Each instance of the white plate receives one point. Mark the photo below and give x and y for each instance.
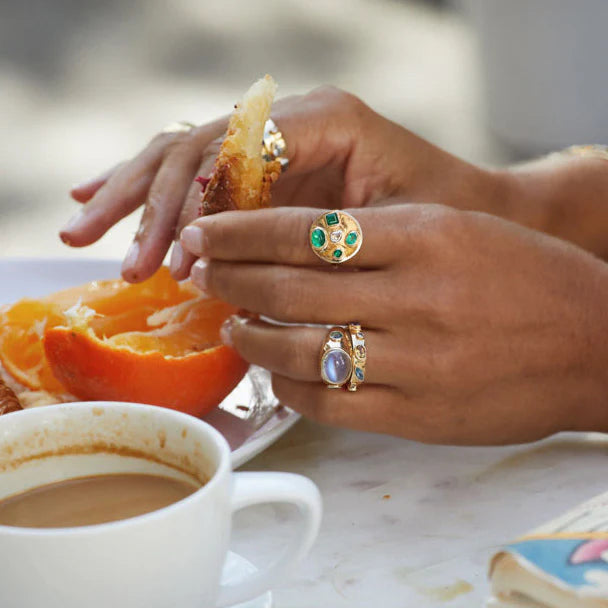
(238, 568)
(250, 417)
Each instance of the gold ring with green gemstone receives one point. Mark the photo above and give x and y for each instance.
(335, 236)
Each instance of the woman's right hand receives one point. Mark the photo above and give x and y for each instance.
(341, 154)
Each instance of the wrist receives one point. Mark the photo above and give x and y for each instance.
(561, 195)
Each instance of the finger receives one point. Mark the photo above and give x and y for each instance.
(371, 408)
(85, 190)
(293, 295)
(124, 191)
(316, 128)
(294, 351)
(164, 202)
(282, 235)
(182, 259)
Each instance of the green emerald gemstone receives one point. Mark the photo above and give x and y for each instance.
(317, 238)
(351, 238)
(331, 219)
(337, 254)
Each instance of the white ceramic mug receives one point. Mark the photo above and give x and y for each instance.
(170, 557)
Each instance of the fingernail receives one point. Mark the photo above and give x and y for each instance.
(85, 184)
(226, 332)
(177, 257)
(131, 257)
(199, 274)
(73, 222)
(192, 239)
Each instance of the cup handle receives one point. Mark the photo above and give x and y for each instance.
(260, 488)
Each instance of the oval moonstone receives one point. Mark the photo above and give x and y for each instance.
(337, 366)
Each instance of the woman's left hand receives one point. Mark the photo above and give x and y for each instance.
(478, 331)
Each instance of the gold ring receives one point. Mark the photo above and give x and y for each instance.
(359, 356)
(336, 360)
(274, 146)
(588, 150)
(178, 127)
(335, 236)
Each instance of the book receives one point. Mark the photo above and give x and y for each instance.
(561, 564)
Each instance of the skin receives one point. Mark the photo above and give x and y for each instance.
(463, 348)
(479, 330)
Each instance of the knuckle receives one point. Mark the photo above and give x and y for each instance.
(335, 96)
(294, 359)
(281, 294)
(287, 231)
(217, 278)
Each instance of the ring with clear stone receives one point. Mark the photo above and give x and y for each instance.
(180, 126)
(335, 236)
(274, 146)
(336, 360)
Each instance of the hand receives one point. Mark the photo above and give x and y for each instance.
(341, 154)
(478, 331)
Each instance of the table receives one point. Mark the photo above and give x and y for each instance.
(408, 524)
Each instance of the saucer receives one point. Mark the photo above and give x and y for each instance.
(238, 568)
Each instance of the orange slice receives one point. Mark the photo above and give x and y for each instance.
(155, 342)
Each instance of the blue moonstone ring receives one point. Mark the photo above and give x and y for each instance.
(336, 358)
(343, 357)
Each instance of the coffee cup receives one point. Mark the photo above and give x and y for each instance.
(172, 556)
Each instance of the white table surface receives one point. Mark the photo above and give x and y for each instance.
(408, 524)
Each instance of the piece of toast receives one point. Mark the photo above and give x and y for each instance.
(241, 178)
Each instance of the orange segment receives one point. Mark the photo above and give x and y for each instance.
(155, 342)
(180, 366)
(23, 324)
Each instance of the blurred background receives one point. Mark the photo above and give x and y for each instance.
(86, 84)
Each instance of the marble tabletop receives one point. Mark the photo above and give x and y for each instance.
(407, 524)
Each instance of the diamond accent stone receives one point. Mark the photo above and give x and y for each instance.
(335, 236)
(331, 219)
(351, 238)
(317, 238)
(336, 366)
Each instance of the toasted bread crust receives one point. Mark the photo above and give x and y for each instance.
(241, 179)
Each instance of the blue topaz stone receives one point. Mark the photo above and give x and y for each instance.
(359, 374)
(336, 366)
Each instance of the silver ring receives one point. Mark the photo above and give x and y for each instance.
(180, 126)
(274, 146)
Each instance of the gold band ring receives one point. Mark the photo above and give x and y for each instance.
(274, 146)
(335, 236)
(178, 127)
(359, 356)
(336, 358)
(588, 150)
